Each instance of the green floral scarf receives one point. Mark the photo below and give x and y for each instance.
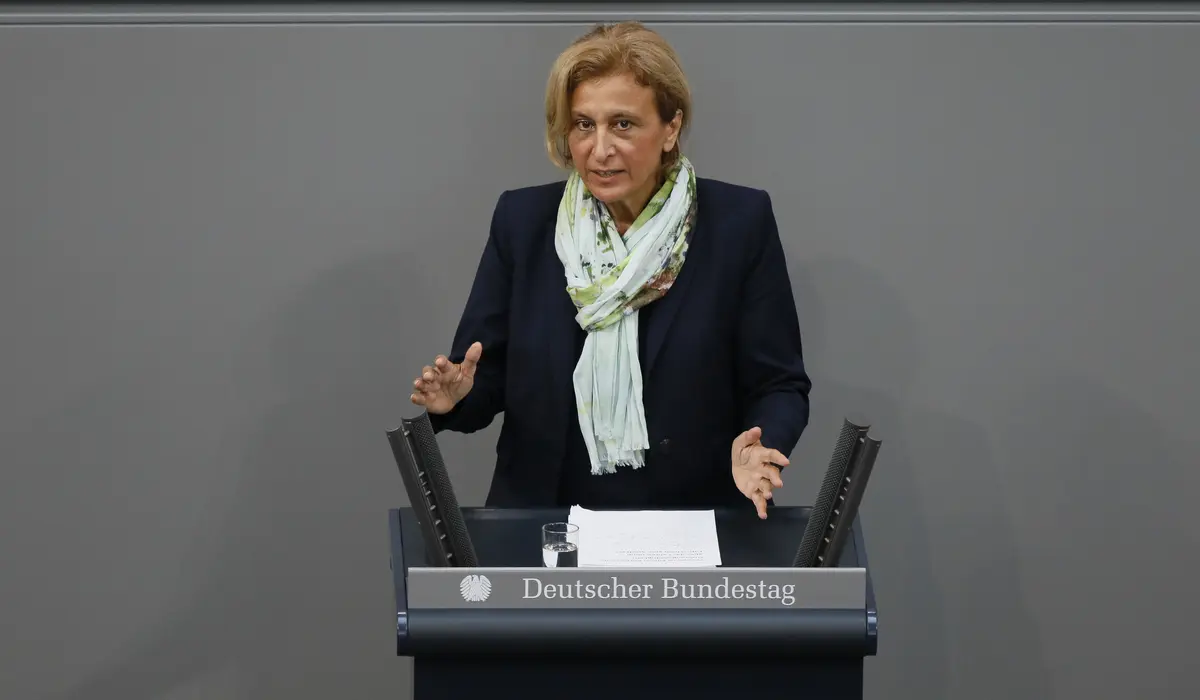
(609, 278)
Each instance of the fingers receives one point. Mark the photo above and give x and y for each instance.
(431, 380)
(759, 469)
(471, 360)
(434, 378)
(772, 457)
(760, 504)
(757, 458)
(425, 385)
(759, 490)
(747, 438)
(765, 487)
(771, 475)
(760, 481)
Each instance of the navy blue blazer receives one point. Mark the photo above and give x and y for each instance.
(720, 353)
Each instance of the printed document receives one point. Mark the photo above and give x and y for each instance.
(646, 538)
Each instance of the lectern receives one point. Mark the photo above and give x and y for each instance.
(757, 625)
(480, 615)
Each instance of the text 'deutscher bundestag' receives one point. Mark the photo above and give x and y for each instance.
(768, 588)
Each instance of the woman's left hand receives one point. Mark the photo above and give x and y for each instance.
(754, 469)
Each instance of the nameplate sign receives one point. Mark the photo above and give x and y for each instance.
(597, 588)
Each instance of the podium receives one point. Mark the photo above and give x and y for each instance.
(468, 641)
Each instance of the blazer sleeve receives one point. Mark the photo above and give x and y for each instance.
(484, 320)
(772, 379)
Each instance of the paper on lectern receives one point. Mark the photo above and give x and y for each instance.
(646, 538)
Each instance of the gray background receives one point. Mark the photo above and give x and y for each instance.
(227, 248)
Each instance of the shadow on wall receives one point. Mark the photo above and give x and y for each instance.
(1111, 542)
(297, 603)
(940, 541)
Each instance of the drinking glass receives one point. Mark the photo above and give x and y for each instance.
(560, 545)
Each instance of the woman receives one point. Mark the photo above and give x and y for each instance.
(635, 323)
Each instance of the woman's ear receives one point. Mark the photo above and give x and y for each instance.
(674, 128)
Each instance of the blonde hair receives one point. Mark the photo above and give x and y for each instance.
(611, 49)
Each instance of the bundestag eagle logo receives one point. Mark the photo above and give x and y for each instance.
(475, 588)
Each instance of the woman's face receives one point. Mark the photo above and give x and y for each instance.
(617, 141)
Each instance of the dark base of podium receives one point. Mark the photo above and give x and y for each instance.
(597, 678)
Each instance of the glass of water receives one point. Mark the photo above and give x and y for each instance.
(560, 545)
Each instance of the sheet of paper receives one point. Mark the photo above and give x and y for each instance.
(646, 538)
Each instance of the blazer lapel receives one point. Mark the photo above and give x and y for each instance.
(666, 308)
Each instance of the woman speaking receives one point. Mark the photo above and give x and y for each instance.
(635, 323)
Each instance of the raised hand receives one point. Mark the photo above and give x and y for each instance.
(442, 385)
(754, 470)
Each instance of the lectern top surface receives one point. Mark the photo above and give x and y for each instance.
(512, 537)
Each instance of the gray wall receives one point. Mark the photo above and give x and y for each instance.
(228, 247)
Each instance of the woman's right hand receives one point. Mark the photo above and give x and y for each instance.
(441, 386)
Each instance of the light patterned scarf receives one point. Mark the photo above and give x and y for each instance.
(609, 278)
